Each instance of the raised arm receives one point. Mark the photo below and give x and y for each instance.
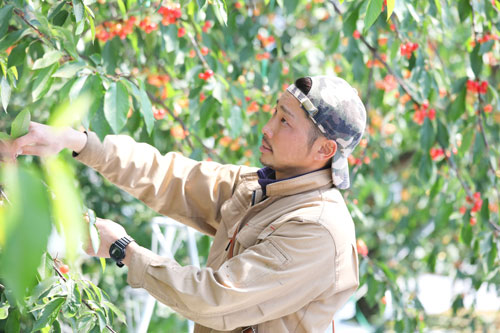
(187, 190)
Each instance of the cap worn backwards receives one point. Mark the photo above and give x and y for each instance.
(336, 109)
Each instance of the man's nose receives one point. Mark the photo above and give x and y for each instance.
(266, 130)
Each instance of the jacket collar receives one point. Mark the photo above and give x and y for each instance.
(303, 183)
(295, 185)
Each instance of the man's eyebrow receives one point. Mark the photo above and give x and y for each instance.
(285, 109)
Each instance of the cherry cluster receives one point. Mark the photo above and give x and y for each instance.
(206, 75)
(476, 202)
(262, 56)
(206, 26)
(108, 30)
(376, 63)
(436, 153)
(477, 86)
(422, 112)
(147, 25)
(159, 113)
(171, 13)
(265, 41)
(389, 83)
(158, 80)
(407, 49)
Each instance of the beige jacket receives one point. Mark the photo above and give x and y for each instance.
(295, 261)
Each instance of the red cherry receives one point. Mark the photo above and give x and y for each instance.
(64, 269)
(472, 221)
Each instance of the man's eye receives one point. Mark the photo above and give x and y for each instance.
(283, 120)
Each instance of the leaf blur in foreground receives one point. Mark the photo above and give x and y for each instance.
(27, 226)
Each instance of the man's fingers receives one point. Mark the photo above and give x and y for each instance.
(16, 148)
(32, 150)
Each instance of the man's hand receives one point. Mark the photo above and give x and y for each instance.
(109, 232)
(43, 140)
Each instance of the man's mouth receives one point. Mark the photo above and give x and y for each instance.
(265, 145)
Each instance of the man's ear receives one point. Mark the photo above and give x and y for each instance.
(327, 149)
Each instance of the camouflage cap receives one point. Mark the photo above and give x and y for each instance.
(336, 109)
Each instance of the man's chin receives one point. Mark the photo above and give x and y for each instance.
(264, 162)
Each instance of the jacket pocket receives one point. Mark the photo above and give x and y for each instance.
(247, 236)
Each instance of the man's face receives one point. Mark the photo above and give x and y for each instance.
(285, 142)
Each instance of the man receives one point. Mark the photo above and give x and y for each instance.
(283, 257)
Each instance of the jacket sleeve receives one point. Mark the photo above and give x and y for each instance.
(269, 280)
(189, 191)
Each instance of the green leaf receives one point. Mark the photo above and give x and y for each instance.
(121, 5)
(427, 136)
(390, 8)
(42, 82)
(48, 59)
(443, 215)
(116, 106)
(27, 227)
(5, 92)
(206, 111)
(69, 69)
(17, 55)
(4, 136)
(457, 107)
(372, 13)
(94, 233)
(146, 109)
(119, 314)
(49, 313)
(476, 61)
(66, 202)
(220, 10)
(56, 327)
(78, 10)
(12, 38)
(20, 125)
(466, 233)
(5, 15)
(103, 264)
(425, 167)
(77, 87)
(4, 311)
(13, 322)
(442, 134)
(218, 91)
(387, 271)
(464, 9)
(92, 27)
(438, 5)
(350, 22)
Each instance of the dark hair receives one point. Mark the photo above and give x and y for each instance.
(304, 84)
